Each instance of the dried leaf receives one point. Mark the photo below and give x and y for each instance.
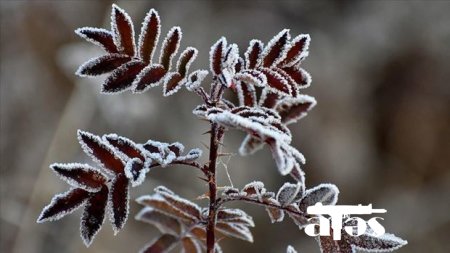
(183, 205)
(165, 243)
(98, 36)
(164, 223)
(151, 76)
(327, 194)
(123, 31)
(293, 109)
(93, 215)
(80, 176)
(235, 216)
(170, 47)
(125, 145)
(101, 152)
(122, 78)
(253, 188)
(150, 31)
(102, 65)
(63, 204)
(250, 145)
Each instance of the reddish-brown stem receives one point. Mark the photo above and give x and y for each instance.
(216, 138)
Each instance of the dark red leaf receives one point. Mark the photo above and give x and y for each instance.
(118, 199)
(101, 152)
(187, 57)
(122, 78)
(98, 36)
(275, 49)
(276, 82)
(63, 204)
(93, 215)
(163, 244)
(190, 245)
(293, 109)
(102, 65)
(172, 84)
(80, 175)
(246, 94)
(149, 36)
(170, 47)
(301, 77)
(216, 55)
(253, 54)
(298, 49)
(125, 145)
(269, 99)
(122, 27)
(149, 77)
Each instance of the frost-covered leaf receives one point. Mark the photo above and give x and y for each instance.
(123, 31)
(200, 110)
(238, 231)
(93, 215)
(118, 202)
(253, 54)
(172, 84)
(80, 175)
(327, 194)
(268, 98)
(216, 55)
(230, 57)
(275, 214)
(195, 79)
(286, 157)
(300, 220)
(170, 47)
(298, 174)
(101, 152)
(165, 243)
(135, 171)
(299, 75)
(289, 193)
(230, 191)
(246, 94)
(102, 65)
(253, 188)
(125, 145)
(250, 145)
(164, 223)
(63, 204)
(370, 243)
(192, 155)
(275, 51)
(159, 203)
(298, 50)
(235, 216)
(151, 76)
(186, 58)
(122, 78)
(189, 208)
(148, 38)
(99, 37)
(293, 109)
(176, 147)
(190, 245)
(276, 82)
(254, 77)
(290, 249)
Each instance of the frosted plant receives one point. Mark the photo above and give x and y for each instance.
(267, 82)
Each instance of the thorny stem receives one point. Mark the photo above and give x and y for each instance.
(216, 138)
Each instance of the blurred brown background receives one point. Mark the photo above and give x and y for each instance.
(380, 132)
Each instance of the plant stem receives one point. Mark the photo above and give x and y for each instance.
(216, 138)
